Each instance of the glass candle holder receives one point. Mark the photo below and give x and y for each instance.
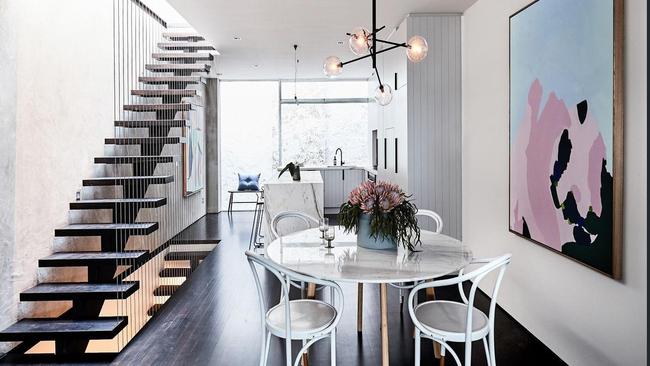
(330, 235)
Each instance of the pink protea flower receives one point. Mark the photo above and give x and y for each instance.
(368, 205)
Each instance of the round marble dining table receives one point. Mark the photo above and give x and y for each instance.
(305, 252)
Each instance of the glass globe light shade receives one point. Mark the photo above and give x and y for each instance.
(383, 94)
(359, 41)
(332, 66)
(417, 49)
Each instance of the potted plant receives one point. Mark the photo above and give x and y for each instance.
(382, 216)
(294, 170)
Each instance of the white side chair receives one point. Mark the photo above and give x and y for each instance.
(305, 320)
(404, 286)
(449, 321)
(309, 222)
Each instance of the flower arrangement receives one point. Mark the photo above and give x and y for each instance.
(392, 214)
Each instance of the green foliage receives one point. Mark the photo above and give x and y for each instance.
(399, 224)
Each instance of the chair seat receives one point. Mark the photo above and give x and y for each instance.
(448, 320)
(308, 317)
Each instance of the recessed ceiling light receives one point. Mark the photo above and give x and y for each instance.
(256, 65)
(339, 42)
(236, 38)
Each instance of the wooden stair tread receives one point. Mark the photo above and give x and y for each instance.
(142, 140)
(169, 79)
(154, 309)
(164, 92)
(138, 228)
(183, 45)
(113, 181)
(183, 36)
(176, 272)
(178, 67)
(79, 290)
(53, 329)
(146, 123)
(86, 259)
(115, 203)
(158, 107)
(134, 159)
(179, 256)
(165, 290)
(173, 56)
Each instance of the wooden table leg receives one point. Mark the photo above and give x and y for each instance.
(359, 307)
(311, 294)
(431, 295)
(383, 298)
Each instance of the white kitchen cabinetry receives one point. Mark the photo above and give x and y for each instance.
(419, 132)
(338, 185)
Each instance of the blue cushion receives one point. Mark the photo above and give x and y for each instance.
(249, 182)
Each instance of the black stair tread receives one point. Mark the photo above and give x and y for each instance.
(183, 36)
(117, 203)
(164, 92)
(113, 181)
(53, 329)
(144, 123)
(182, 45)
(165, 290)
(138, 228)
(86, 259)
(79, 290)
(178, 67)
(158, 107)
(134, 159)
(173, 56)
(176, 272)
(169, 79)
(142, 140)
(154, 309)
(179, 256)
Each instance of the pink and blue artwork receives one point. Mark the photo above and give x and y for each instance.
(562, 129)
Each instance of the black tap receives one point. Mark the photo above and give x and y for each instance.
(336, 152)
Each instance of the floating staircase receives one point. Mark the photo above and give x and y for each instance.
(179, 65)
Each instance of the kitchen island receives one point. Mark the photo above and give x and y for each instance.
(284, 194)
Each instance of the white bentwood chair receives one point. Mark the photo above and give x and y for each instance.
(449, 321)
(309, 221)
(306, 320)
(408, 286)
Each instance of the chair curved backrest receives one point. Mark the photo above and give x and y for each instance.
(434, 216)
(489, 265)
(308, 220)
(286, 276)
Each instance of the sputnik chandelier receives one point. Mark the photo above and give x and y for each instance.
(363, 43)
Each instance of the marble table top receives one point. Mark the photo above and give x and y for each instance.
(305, 253)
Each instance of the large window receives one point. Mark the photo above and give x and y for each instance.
(326, 116)
(263, 128)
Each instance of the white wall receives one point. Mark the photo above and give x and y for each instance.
(583, 316)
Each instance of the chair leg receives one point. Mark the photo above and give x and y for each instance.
(417, 347)
(333, 347)
(487, 351)
(359, 307)
(230, 204)
(267, 346)
(401, 302)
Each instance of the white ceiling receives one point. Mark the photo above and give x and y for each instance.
(269, 29)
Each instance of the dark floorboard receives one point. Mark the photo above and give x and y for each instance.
(214, 318)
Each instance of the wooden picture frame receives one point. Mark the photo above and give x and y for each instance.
(580, 223)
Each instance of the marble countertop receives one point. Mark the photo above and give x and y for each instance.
(303, 252)
(306, 177)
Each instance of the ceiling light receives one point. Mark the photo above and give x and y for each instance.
(340, 43)
(236, 38)
(363, 43)
(256, 65)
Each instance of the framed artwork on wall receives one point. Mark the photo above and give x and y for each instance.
(194, 154)
(566, 129)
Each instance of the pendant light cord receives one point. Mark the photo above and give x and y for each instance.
(295, 73)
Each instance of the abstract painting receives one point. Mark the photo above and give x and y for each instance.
(194, 155)
(566, 129)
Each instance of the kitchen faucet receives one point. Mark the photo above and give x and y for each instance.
(336, 152)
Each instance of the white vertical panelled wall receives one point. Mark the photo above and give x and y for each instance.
(424, 117)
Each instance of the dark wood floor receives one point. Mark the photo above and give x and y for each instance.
(213, 319)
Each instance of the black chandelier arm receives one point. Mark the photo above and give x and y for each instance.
(393, 43)
(372, 54)
(381, 86)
